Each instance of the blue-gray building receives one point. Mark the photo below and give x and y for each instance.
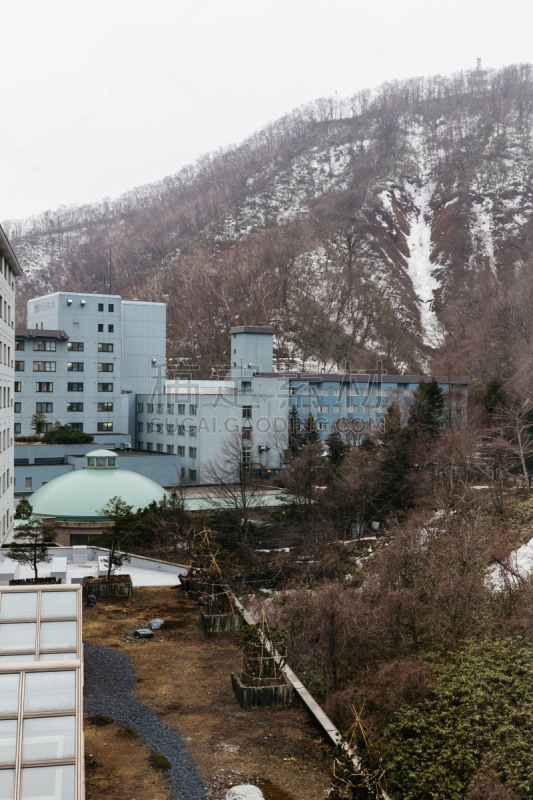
(249, 409)
(82, 359)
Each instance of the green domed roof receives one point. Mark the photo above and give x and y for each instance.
(80, 494)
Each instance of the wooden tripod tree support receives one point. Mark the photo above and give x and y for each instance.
(262, 683)
(218, 613)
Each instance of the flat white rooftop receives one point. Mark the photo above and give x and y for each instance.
(82, 562)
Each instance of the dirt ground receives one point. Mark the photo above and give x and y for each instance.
(185, 676)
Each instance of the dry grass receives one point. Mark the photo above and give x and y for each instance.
(117, 766)
(185, 676)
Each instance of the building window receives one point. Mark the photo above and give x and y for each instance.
(110, 329)
(17, 427)
(159, 447)
(247, 412)
(192, 409)
(105, 406)
(149, 446)
(19, 366)
(105, 347)
(17, 408)
(44, 366)
(192, 430)
(18, 386)
(76, 426)
(336, 409)
(44, 387)
(246, 433)
(100, 328)
(74, 387)
(192, 452)
(104, 426)
(76, 326)
(74, 406)
(192, 474)
(170, 408)
(170, 427)
(75, 346)
(105, 367)
(170, 448)
(160, 408)
(46, 408)
(182, 473)
(323, 409)
(181, 450)
(49, 346)
(322, 426)
(75, 366)
(19, 344)
(149, 408)
(111, 307)
(27, 483)
(100, 306)
(181, 408)
(140, 408)
(140, 427)
(105, 387)
(181, 430)
(139, 445)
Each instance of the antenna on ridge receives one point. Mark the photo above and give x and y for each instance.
(478, 63)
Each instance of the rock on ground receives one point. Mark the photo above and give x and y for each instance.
(245, 792)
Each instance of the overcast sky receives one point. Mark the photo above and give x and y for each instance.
(99, 96)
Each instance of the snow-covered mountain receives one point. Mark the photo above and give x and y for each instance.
(396, 224)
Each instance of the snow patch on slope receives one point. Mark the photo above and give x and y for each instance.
(482, 232)
(419, 266)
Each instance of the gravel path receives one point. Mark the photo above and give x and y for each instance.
(109, 686)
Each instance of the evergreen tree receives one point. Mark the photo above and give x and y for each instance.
(295, 432)
(395, 464)
(495, 396)
(426, 416)
(310, 431)
(38, 422)
(23, 509)
(337, 448)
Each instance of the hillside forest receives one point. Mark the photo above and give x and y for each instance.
(394, 225)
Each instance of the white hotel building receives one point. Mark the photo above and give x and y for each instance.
(9, 270)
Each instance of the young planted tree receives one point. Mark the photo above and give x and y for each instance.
(495, 398)
(38, 422)
(31, 542)
(118, 536)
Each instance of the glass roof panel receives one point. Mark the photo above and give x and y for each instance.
(7, 784)
(50, 691)
(47, 783)
(58, 636)
(8, 741)
(57, 657)
(58, 604)
(17, 636)
(48, 738)
(9, 693)
(20, 605)
(20, 657)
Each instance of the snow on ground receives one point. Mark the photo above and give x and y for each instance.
(521, 564)
(419, 266)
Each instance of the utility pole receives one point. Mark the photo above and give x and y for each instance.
(110, 270)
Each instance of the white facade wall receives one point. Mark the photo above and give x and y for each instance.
(9, 271)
